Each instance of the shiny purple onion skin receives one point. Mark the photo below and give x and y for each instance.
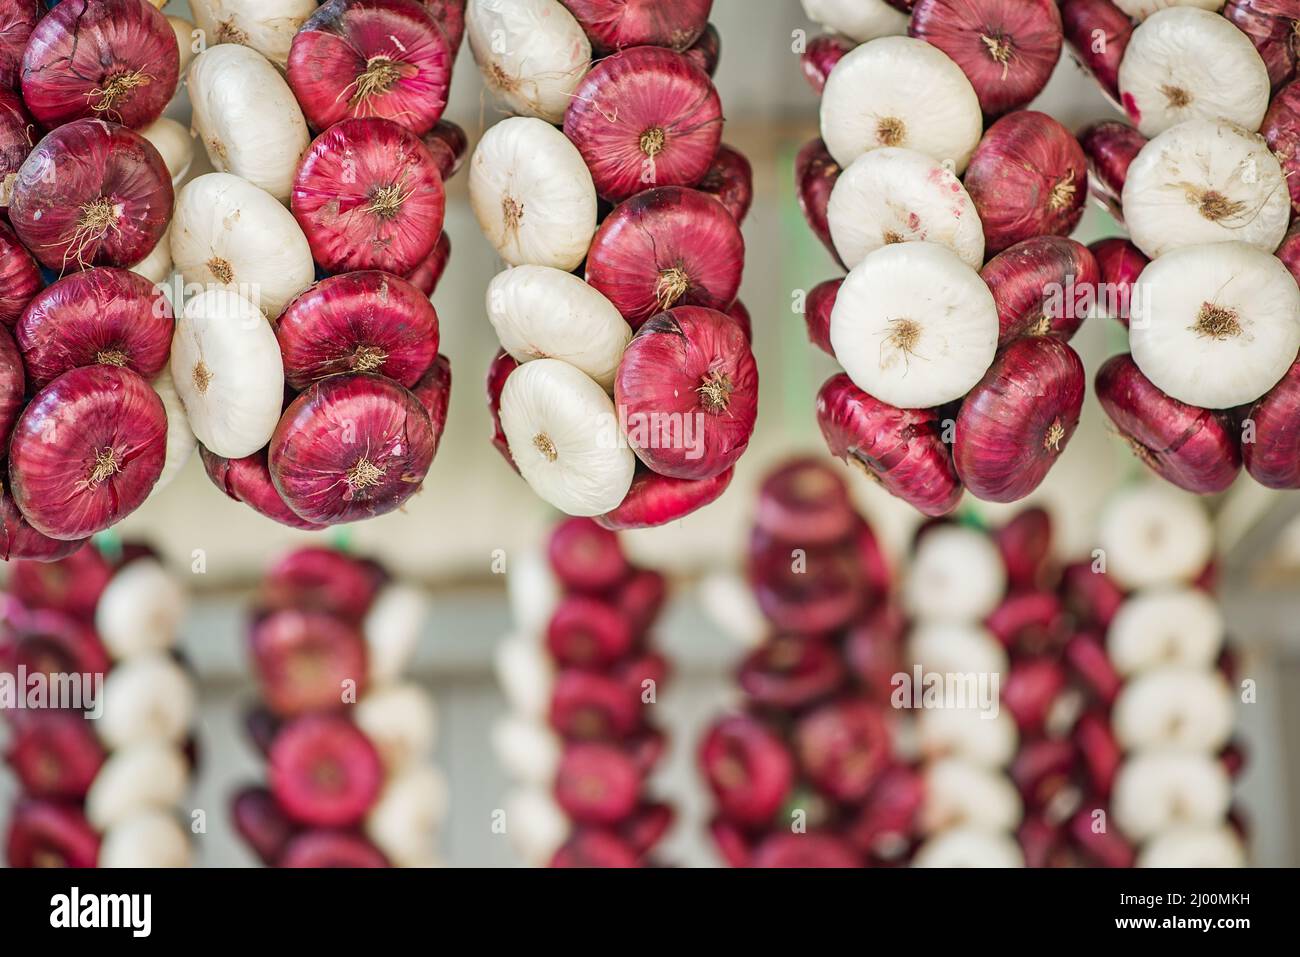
(1042, 286)
(1273, 459)
(655, 500)
(20, 277)
(1120, 264)
(820, 57)
(17, 20)
(815, 174)
(730, 180)
(817, 313)
(1281, 130)
(618, 24)
(498, 372)
(18, 540)
(434, 392)
(13, 387)
(902, 449)
(1081, 19)
(706, 52)
(449, 144)
(1110, 146)
(1270, 24)
(1017, 421)
(248, 480)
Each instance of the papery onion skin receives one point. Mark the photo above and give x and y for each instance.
(248, 480)
(1281, 130)
(805, 502)
(108, 316)
(687, 393)
(449, 145)
(1042, 286)
(667, 247)
(1195, 449)
(645, 117)
(20, 277)
(434, 393)
(817, 314)
(618, 24)
(1289, 251)
(351, 447)
(371, 58)
(655, 500)
(815, 173)
(1270, 24)
(740, 314)
(1119, 263)
(428, 274)
(1110, 147)
(365, 321)
(17, 20)
(19, 540)
(707, 50)
(1028, 177)
(108, 208)
(1008, 48)
(730, 180)
(87, 451)
(113, 59)
(820, 57)
(17, 131)
(1082, 20)
(1014, 425)
(902, 449)
(1273, 458)
(498, 372)
(13, 387)
(449, 15)
(368, 196)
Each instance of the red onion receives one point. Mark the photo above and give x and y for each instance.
(843, 747)
(1110, 147)
(366, 321)
(590, 706)
(434, 392)
(17, 20)
(596, 784)
(902, 449)
(448, 144)
(687, 392)
(16, 131)
(822, 596)
(20, 277)
(428, 274)
(248, 480)
(1028, 622)
(586, 557)
(261, 823)
(371, 58)
(368, 196)
(54, 754)
(1271, 26)
(330, 849)
(1289, 251)
(1281, 130)
(449, 15)
(13, 387)
(873, 650)
(1273, 459)
(87, 451)
(1120, 263)
(617, 24)
(1195, 449)
(50, 834)
(803, 502)
(303, 657)
(644, 117)
(747, 768)
(1025, 543)
(587, 633)
(1092, 597)
(730, 180)
(1028, 178)
(322, 579)
(107, 207)
(324, 772)
(791, 673)
(591, 848)
(71, 586)
(19, 540)
(112, 59)
(502, 365)
(707, 50)
(1044, 286)
(820, 57)
(667, 247)
(99, 316)
(815, 173)
(740, 315)
(351, 447)
(1098, 32)
(1007, 48)
(804, 851)
(1014, 425)
(655, 499)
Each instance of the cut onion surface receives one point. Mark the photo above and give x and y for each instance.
(1098, 33)
(900, 92)
(368, 195)
(564, 436)
(367, 321)
(1183, 63)
(1215, 326)
(268, 26)
(1206, 181)
(371, 58)
(1273, 459)
(532, 194)
(891, 196)
(91, 194)
(87, 451)
(860, 20)
(532, 54)
(616, 24)
(914, 326)
(667, 247)
(1195, 449)
(351, 447)
(1045, 286)
(1152, 534)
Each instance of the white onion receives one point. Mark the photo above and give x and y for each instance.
(536, 825)
(1196, 847)
(405, 821)
(392, 629)
(1184, 63)
(185, 36)
(1152, 534)
(955, 649)
(532, 53)
(181, 442)
(146, 839)
(525, 675)
(1141, 9)
(957, 575)
(268, 26)
(146, 698)
(140, 610)
(401, 721)
(247, 118)
(157, 266)
(539, 312)
(969, 734)
(1187, 709)
(729, 603)
(958, 793)
(533, 194)
(1165, 626)
(900, 91)
(969, 847)
(859, 20)
(174, 143)
(228, 372)
(532, 591)
(1215, 326)
(1205, 181)
(1157, 790)
(528, 750)
(143, 776)
(563, 434)
(914, 326)
(229, 233)
(891, 196)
